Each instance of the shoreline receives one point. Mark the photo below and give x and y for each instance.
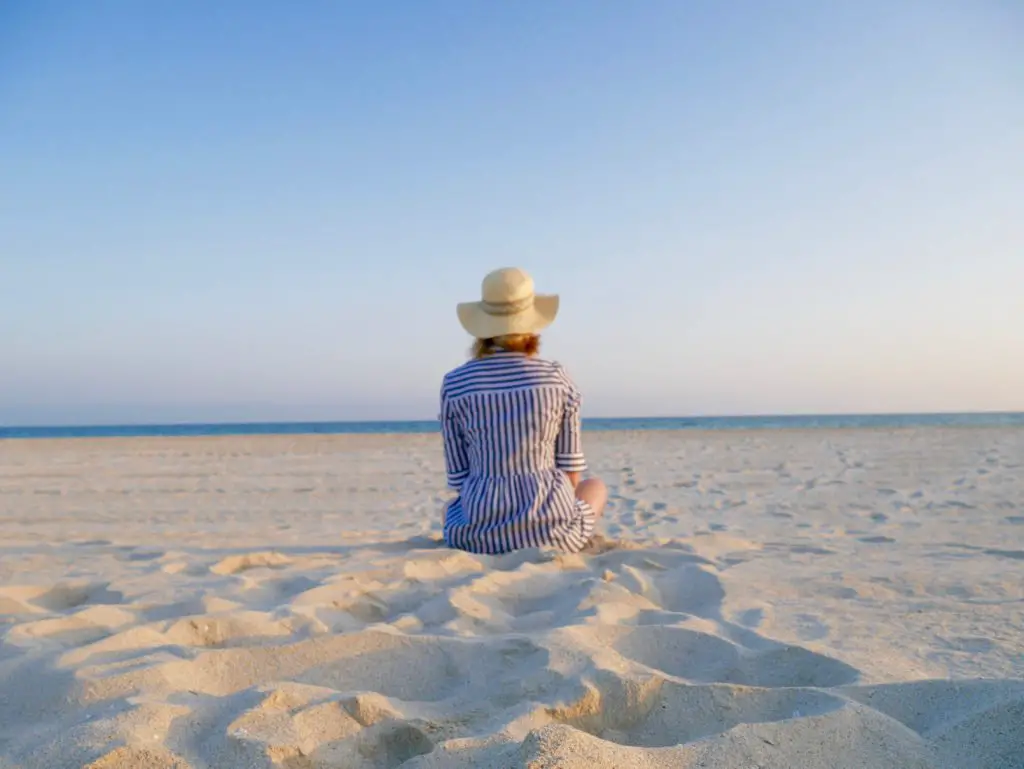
(695, 433)
(769, 422)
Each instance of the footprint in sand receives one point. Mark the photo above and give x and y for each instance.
(690, 589)
(705, 658)
(811, 550)
(810, 627)
(294, 726)
(751, 618)
(969, 644)
(663, 714)
(271, 593)
(1016, 555)
(374, 661)
(144, 555)
(64, 597)
(236, 564)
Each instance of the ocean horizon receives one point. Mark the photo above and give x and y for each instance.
(355, 427)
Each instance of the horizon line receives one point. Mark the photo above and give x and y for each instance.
(662, 417)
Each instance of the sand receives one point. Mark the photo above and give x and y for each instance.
(764, 599)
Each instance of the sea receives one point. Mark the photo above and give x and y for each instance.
(826, 421)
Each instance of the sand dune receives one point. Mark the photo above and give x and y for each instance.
(790, 599)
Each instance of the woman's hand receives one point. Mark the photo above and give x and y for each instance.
(574, 479)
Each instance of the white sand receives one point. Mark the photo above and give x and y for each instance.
(777, 599)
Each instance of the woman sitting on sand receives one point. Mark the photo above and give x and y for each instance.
(511, 428)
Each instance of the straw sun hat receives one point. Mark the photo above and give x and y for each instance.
(508, 305)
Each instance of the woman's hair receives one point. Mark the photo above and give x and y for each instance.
(528, 344)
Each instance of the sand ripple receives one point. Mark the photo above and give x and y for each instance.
(430, 658)
(791, 617)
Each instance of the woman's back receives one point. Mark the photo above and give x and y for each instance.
(511, 430)
(511, 410)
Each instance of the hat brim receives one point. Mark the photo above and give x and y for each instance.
(483, 325)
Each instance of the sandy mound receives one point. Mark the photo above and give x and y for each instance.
(536, 659)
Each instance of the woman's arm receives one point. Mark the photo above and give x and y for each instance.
(455, 459)
(569, 445)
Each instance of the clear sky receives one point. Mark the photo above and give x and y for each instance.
(268, 210)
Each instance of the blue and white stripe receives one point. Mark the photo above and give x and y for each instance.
(511, 430)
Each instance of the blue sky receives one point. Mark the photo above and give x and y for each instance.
(255, 210)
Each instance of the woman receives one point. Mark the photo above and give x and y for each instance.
(511, 428)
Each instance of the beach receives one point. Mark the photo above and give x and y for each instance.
(771, 598)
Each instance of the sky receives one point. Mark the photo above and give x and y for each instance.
(248, 210)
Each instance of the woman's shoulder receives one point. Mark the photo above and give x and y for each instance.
(501, 361)
(558, 371)
(497, 370)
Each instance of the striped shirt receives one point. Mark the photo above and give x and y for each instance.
(511, 430)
